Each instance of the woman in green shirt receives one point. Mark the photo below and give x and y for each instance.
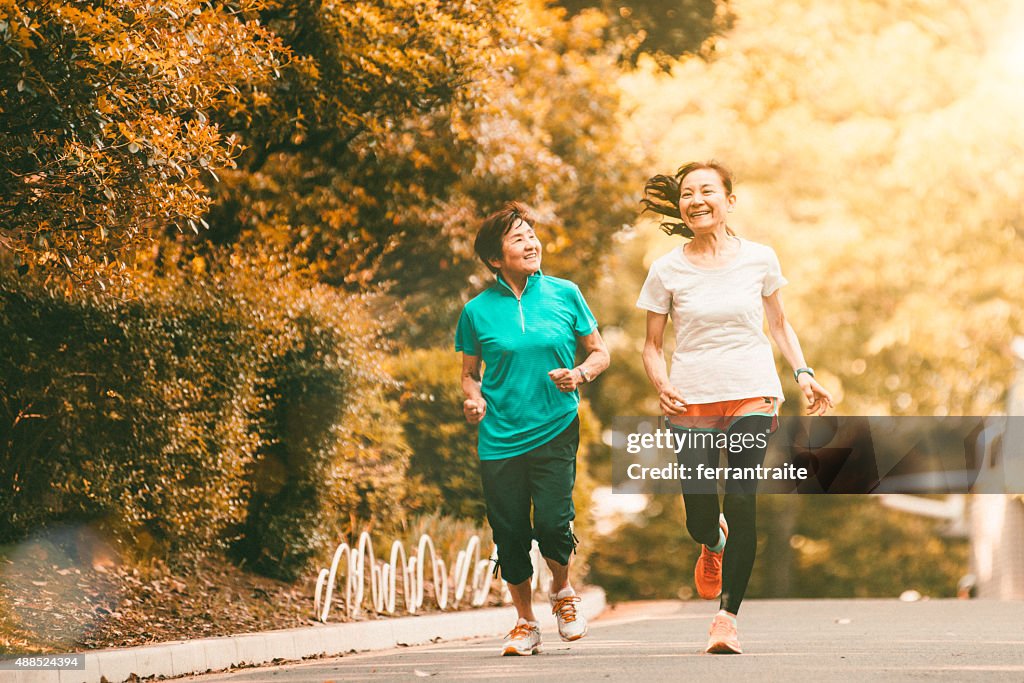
(518, 340)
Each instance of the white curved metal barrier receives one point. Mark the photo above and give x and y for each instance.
(471, 575)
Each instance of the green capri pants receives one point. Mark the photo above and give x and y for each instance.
(544, 476)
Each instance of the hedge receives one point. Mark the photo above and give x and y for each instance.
(221, 412)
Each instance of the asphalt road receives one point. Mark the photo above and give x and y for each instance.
(819, 640)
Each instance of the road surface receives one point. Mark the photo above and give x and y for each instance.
(820, 640)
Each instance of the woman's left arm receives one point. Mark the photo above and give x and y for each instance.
(818, 399)
(594, 364)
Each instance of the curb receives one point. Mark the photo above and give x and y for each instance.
(181, 658)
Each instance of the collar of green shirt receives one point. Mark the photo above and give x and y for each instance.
(504, 286)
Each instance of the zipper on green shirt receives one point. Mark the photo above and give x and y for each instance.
(519, 300)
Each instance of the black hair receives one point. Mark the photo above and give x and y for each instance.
(494, 227)
(661, 194)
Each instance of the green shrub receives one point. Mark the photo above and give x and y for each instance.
(134, 414)
(334, 459)
(228, 409)
(443, 464)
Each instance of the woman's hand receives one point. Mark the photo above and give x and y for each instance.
(671, 401)
(566, 380)
(818, 399)
(474, 409)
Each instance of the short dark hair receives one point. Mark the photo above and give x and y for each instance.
(493, 229)
(661, 193)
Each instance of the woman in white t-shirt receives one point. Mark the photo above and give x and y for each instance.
(718, 288)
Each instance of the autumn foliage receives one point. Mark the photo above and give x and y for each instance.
(106, 132)
(235, 234)
(218, 218)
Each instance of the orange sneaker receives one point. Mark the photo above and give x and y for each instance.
(722, 638)
(708, 572)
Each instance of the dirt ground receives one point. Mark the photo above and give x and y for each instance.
(50, 604)
(56, 597)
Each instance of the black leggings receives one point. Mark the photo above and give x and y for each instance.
(739, 505)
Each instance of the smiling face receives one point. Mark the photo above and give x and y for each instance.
(520, 252)
(704, 201)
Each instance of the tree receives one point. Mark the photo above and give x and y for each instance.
(662, 29)
(396, 128)
(893, 201)
(318, 186)
(863, 154)
(841, 546)
(105, 125)
(549, 134)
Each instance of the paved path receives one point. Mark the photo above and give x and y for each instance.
(820, 640)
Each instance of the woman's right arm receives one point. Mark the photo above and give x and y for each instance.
(474, 407)
(672, 403)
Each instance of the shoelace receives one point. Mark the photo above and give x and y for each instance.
(566, 608)
(712, 565)
(520, 631)
(722, 627)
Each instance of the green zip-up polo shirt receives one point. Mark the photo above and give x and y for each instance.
(520, 340)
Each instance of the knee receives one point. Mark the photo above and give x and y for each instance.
(696, 530)
(509, 538)
(739, 506)
(514, 555)
(555, 540)
(551, 530)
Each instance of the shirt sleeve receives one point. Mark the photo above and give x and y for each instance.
(653, 295)
(466, 340)
(585, 320)
(773, 279)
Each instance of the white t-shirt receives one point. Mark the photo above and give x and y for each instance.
(722, 352)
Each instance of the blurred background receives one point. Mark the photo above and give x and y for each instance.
(235, 238)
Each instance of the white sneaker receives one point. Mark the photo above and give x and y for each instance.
(524, 639)
(571, 624)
